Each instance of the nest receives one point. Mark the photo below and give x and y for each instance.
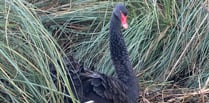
(177, 95)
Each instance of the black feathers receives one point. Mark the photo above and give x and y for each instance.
(100, 88)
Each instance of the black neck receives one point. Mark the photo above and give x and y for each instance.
(121, 61)
(119, 53)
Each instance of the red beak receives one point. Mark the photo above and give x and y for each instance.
(124, 21)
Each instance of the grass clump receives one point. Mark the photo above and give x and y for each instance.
(26, 51)
(167, 42)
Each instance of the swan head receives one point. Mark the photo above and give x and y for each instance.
(121, 13)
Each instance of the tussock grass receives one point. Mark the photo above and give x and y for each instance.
(167, 41)
(26, 51)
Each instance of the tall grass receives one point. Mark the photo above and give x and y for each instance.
(26, 51)
(167, 41)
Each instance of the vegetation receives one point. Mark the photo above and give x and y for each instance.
(168, 42)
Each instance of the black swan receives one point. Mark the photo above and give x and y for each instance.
(94, 87)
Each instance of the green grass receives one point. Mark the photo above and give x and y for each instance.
(26, 50)
(167, 41)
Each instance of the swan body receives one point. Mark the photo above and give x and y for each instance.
(95, 87)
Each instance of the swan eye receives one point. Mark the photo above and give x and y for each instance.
(125, 14)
